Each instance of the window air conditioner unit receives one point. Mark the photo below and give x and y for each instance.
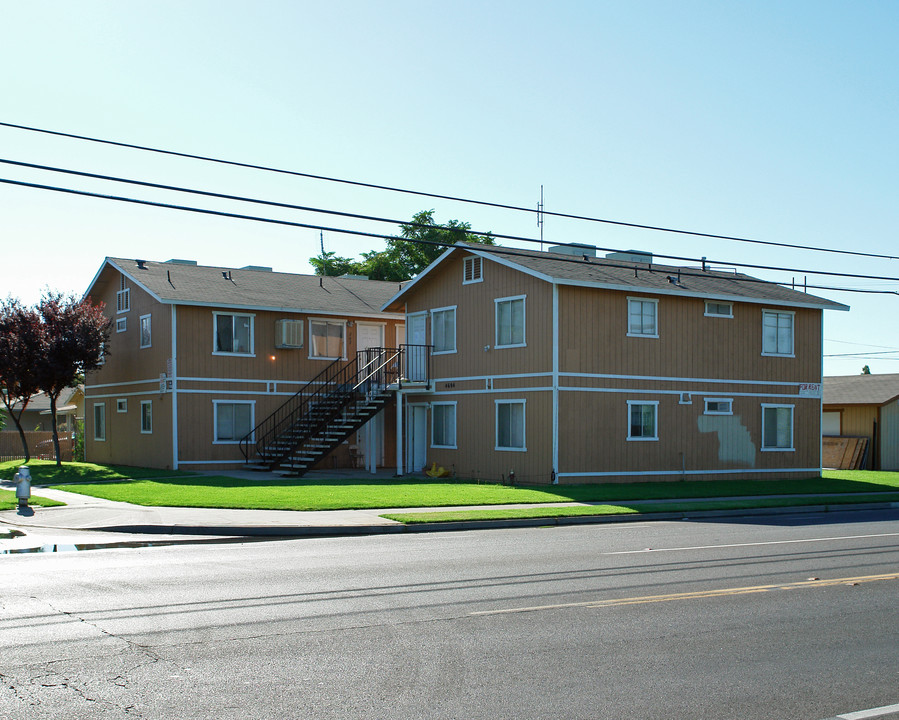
(288, 333)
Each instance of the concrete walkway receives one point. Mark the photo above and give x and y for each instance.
(85, 513)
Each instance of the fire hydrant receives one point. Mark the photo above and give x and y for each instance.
(22, 480)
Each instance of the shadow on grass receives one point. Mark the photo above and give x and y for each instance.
(46, 472)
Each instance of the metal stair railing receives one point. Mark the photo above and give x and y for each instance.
(328, 396)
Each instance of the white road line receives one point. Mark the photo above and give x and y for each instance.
(872, 713)
(751, 544)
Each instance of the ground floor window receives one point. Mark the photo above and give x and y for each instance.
(146, 416)
(643, 420)
(777, 427)
(99, 421)
(443, 425)
(510, 425)
(233, 420)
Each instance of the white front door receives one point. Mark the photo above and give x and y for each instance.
(369, 336)
(417, 354)
(417, 441)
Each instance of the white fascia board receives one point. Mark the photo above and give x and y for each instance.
(420, 275)
(128, 275)
(280, 309)
(497, 258)
(705, 296)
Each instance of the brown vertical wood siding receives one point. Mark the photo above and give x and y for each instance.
(693, 358)
(268, 378)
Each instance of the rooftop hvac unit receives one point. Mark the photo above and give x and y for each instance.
(288, 333)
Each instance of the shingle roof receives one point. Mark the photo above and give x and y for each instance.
(643, 277)
(261, 289)
(861, 389)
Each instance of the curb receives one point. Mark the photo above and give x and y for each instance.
(361, 530)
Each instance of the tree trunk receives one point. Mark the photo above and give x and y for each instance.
(25, 450)
(55, 429)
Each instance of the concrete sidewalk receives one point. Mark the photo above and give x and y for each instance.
(85, 513)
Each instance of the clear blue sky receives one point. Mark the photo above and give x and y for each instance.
(769, 120)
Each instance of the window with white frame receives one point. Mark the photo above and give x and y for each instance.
(146, 416)
(473, 270)
(642, 320)
(233, 334)
(443, 329)
(145, 333)
(327, 339)
(233, 420)
(443, 425)
(121, 324)
(777, 333)
(123, 296)
(719, 309)
(643, 420)
(121, 405)
(510, 425)
(510, 321)
(777, 427)
(100, 421)
(719, 406)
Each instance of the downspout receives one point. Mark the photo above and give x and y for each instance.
(174, 389)
(555, 472)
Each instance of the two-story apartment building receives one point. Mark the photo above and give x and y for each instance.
(199, 355)
(571, 368)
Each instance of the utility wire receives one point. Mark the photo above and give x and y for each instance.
(488, 249)
(291, 206)
(439, 196)
(865, 354)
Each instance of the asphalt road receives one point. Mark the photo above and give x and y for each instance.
(778, 617)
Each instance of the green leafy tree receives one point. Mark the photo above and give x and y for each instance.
(866, 370)
(75, 335)
(419, 243)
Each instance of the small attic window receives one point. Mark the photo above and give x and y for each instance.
(123, 297)
(473, 270)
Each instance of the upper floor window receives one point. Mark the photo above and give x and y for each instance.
(777, 427)
(327, 339)
(121, 324)
(719, 309)
(472, 270)
(510, 322)
(145, 334)
(443, 330)
(642, 318)
(123, 297)
(233, 334)
(643, 420)
(777, 333)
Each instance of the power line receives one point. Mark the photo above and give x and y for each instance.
(304, 208)
(482, 248)
(866, 354)
(420, 193)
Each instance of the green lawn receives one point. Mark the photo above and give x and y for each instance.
(8, 500)
(225, 492)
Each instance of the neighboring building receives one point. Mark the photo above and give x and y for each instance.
(199, 356)
(585, 369)
(36, 416)
(865, 406)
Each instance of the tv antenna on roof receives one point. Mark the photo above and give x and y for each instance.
(540, 217)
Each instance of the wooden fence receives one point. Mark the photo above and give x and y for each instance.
(40, 444)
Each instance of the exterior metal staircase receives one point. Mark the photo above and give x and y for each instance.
(332, 406)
